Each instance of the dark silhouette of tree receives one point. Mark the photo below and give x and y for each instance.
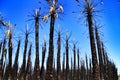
(15, 65)
(99, 52)
(43, 59)
(58, 56)
(67, 56)
(4, 52)
(87, 71)
(54, 8)
(37, 67)
(22, 74)
(74, 52)
(28, 71)
(78, 69)
(63, 67)
(89, 11)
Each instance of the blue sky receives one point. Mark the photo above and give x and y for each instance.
(17, 10)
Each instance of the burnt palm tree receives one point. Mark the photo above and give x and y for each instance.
(4, 51)
(22, 70)
(9, 35)
(10, 48)
(67, 56)
(15, 65)
(89, 11)
(99, 52)
(63, 67)
(74, 52)
(36, 17)
(43, 59)
(71, 73)
(78, 68)
(37, 68)
(58, 56)
(87, 72)
(53, 15)
(29, 65)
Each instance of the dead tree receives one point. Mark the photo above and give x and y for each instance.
(28, 71)
(42, 72)
(15, 65)
(58, 56)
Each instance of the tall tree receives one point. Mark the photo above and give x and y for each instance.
(4, 51)
(10, 48)
(87, 72)
(54, 8)
(37, 68)
(67, 56)
(89, 11)
(58, 55)
(43, 59)
(23, 67)
(63, 67)
(28, 71)
(15, 65)
(78, 69)
(99, 52)
(74, 52)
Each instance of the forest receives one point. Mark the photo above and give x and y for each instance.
(97, 67)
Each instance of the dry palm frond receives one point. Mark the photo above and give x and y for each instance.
(8, 32)
(45, 18)
(52, 9)
(56, 15)
(60, 8)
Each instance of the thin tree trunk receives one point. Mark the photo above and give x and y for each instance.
(43, 59)
(63, 67)
(87, 72)
(71, 73)
(74, 51)
(58, 56)
(29, 64)
(99, 53)
(2, 57)
(22, 70)
(67, 57)
(37, 68)
(10, 56)
(49, 73)
(15, 66)
(78, 72)
(96, 75)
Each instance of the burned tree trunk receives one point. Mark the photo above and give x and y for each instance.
(49, 73)
(4, 51)
(67, 57)
(58, 56)
(15, 66)
(99, 53)
(36, 67)
(96, 75)
(22, 70)
(74, 51)
(78, 69)
(10, 56)
(29, 65)
(43, 59)
(63, 67)
(87, 72)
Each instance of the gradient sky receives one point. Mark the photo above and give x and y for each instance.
(17, 10)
